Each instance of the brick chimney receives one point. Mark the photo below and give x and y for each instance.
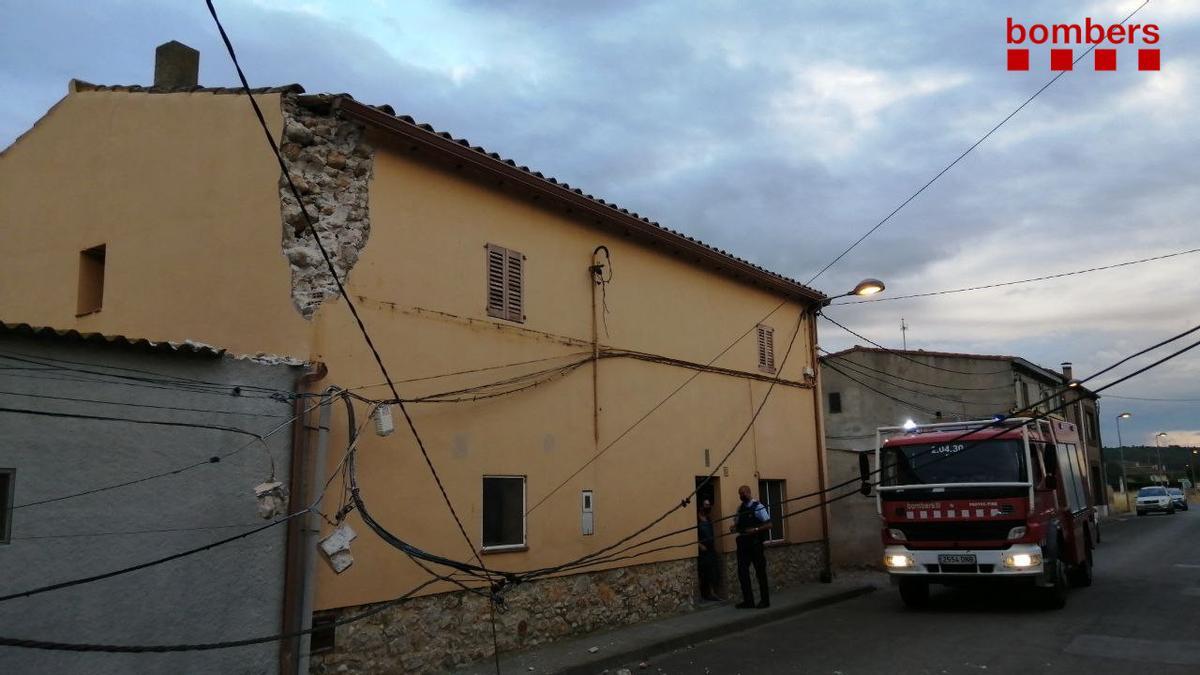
(1068, 371)
(176, 66)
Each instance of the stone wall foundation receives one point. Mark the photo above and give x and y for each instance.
(436, 633)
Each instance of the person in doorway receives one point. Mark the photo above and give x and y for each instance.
(753, 522)
(706, 558)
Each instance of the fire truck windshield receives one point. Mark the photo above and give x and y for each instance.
(993, 461)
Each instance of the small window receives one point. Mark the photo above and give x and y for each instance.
(324, 635)
(505, 283)
(91, 281)
(503, 512)
(7, 489)
(1024, 395)
(766, 349)
(771, 493)
(835, 402)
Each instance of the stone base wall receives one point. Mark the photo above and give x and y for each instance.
(787, 566)
(436, 633)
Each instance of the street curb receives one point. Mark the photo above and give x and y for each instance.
(752, 619)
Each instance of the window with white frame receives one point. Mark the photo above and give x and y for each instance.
(772, 493)
(503, 512)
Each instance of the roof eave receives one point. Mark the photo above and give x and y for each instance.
(385, 121)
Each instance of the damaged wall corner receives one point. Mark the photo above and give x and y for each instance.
(331, 164)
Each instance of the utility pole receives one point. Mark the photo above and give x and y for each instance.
(904, 333)
(1158, 449)
(1121, 450)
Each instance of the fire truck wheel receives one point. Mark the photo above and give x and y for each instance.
(914, 592)
(1081, 574)
(1055, 597)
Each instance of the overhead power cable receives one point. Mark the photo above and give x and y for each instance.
(152, 563)
(207, 646)
(187, 467)
(314, 506)
(333, 273)
(717, 468)
(1155, 400)
(958, 159)
(629, 429)
(121, 533)
(845, 358)
(1019, 281)
(61, 646)
(72, 399)
(469, 371)
(850, 365)
(897, 399)
(51, 375)
(46, 363)
(128, 420)
(906, 357)
(619, 554)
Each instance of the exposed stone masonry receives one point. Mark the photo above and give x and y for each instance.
(433, 634)
(330, 163)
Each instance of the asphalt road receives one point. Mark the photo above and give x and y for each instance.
(1142, 615)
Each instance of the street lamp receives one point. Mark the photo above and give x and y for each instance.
(1158, 450)
(1192, 466)
(863, 288)
(1121, 450)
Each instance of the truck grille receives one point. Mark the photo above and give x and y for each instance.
(983, 530)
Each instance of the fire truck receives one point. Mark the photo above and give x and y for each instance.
(996, 501)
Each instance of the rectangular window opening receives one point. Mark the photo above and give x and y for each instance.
(324, 635)
(766, 349)
(505, 284)
(91, 281)
(835, 402)
(503, 512)
(772, 493)
(7, 490)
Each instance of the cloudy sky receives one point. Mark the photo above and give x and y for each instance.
(778, 131)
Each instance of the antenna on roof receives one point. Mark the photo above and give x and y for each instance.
(904, 333)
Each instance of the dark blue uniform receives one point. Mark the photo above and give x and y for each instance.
(750, 552)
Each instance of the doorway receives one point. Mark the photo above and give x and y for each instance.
(710, 566)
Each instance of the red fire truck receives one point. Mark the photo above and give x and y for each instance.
(986, 501)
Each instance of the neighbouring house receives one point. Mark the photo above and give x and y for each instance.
(116, 451)
(867, 387)
(160, 211)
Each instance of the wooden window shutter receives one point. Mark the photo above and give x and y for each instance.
(505, 284)
(495, 281)
(515, 286)
(766, 348)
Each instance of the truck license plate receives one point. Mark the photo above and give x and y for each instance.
(956, 559)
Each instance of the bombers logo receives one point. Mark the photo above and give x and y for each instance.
(1087, 33)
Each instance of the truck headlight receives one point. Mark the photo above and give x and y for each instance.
(898, 560)
(1022, 560)
(897, 534)
(1016, 533)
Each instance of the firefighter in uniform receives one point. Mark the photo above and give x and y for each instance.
(753, 522)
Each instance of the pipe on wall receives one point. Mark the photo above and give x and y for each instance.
(294, 565)
(819, 422)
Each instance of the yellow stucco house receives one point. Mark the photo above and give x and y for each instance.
(160, 212)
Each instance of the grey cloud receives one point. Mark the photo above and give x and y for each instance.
(666, 107)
